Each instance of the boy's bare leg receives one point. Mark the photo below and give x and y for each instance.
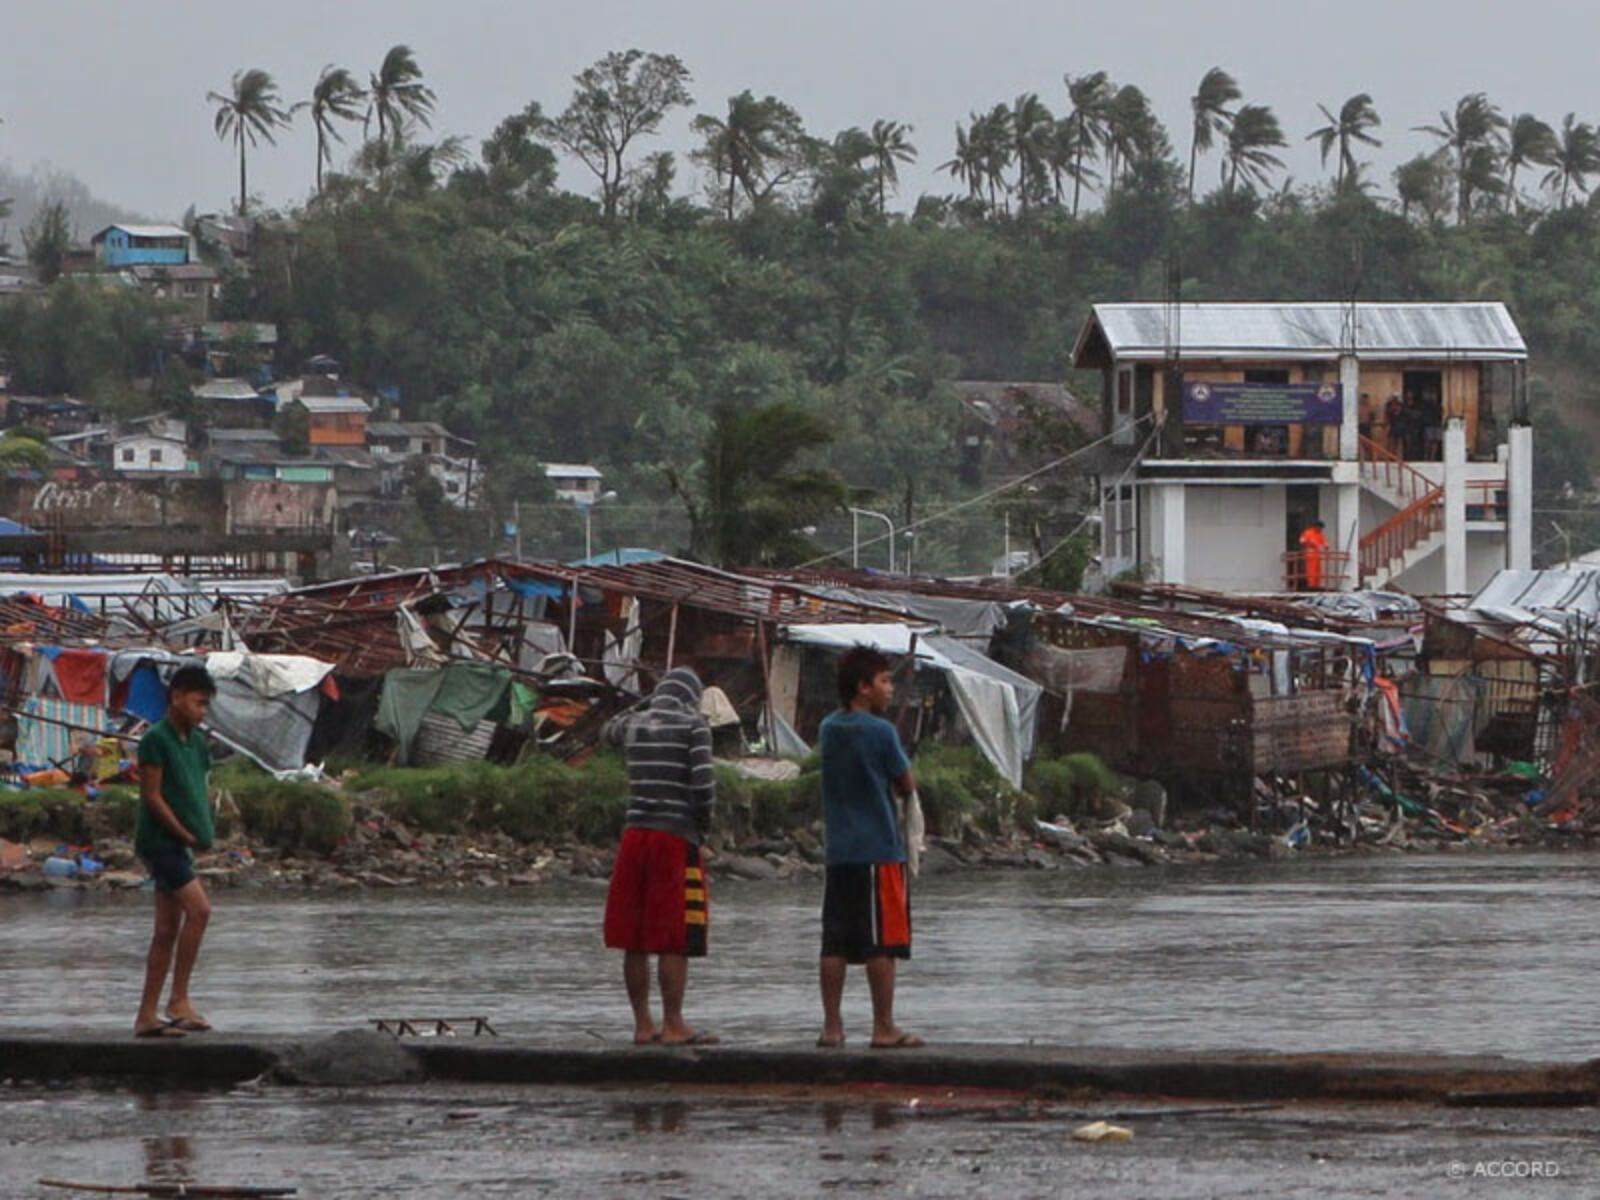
(636, 975)
(169, 915)
(673, 971)
(880, 979)
(195, 906)
(830, 974)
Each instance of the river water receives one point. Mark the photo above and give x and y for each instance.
(1445, 953)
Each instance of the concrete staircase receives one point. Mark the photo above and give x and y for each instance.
(1416, 528)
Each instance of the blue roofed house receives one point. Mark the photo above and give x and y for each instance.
(120, 246)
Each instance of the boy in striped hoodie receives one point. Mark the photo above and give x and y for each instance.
(657, 903)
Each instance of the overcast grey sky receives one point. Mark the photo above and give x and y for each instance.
(114, 90)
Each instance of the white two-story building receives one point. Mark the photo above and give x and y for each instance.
(1402, 428)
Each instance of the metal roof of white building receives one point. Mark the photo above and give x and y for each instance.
(145, 231)
(1302, 331)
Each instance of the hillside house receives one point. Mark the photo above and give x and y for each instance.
(121, 246)
(574, 482)
(335, 420)
(1401, 427)
(145, 452)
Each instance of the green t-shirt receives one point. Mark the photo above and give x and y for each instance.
(184, 763)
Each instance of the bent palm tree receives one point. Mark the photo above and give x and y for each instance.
(397, 93)
(967, 163)
(1576, 158)
(1475, 123)
(1356, 118)
(247, 114)
(745, 146)
(890, 147)
(1032, 128)
(337, 95)
(1529, 142)
(1212, 117)
(1091, 98)
(1253, 133)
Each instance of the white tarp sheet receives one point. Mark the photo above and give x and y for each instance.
(1000, 707)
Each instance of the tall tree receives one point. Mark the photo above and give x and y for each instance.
(1032, 129)
(1252, 135)
(890, 147)
(248, 113)
(622, 97)
(336, 96)
(991, 133)
(755, 494)
(1422, 185)
(1066, 157)
(1529, 142)
(966, 165)
(47, 239)
(1576, 158)
(1475, 125)
(757, 147)
(1132, 133)
(1357, 118)
(396, 94)
(1212, 116)
(1090, 96)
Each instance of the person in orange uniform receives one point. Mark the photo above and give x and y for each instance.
(1314, 543)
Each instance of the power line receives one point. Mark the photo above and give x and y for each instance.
(978, 499)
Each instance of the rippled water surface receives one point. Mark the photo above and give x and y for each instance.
(1441, 953)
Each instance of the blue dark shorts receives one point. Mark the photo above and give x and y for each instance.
(172, 867)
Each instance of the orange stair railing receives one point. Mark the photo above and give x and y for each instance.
(1413, 524)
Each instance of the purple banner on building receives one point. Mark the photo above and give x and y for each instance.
(1262, 404)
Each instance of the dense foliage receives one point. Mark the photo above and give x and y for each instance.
(639, 328)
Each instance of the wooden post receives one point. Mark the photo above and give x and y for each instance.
(672, 634)
(572, 618)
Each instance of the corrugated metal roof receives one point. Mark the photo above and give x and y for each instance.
(1520, 596)
(570, 471)
(226, 389)
(145, 231)
(333, 404)
(1311, 330)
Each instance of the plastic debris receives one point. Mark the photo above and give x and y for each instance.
(1102, 1131)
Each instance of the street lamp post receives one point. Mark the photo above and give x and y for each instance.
(587, 508)
(855, 535)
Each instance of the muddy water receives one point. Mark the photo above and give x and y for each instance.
(1442, 953)
(1446, 954)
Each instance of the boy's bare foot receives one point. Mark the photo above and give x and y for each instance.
(186, 1018)
(831, 1041)
(692, 1037)
(161, 1029)
(645, 1037)
(896, 1039)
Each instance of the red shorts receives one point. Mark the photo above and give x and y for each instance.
(658, 903)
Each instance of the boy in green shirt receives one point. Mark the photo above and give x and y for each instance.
(175, 817)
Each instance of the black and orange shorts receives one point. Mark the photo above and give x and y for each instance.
(866, 912)
(658, 903)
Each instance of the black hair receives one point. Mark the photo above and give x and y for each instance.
(192, 679)
(858, 666)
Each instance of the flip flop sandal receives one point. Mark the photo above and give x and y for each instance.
(189, 1024)
(906, 1041)
(830, 1044)
(164, 1030)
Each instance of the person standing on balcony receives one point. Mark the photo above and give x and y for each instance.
(1313, 545)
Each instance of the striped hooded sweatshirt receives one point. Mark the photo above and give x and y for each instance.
(668, 747)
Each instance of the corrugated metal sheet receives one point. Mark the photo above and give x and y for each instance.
(1517, 597)
(1278, 331)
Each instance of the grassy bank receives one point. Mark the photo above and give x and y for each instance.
(544, 801)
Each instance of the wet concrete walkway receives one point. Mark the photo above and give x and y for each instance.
(366, 1058)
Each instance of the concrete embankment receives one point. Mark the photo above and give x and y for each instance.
(366, 1058)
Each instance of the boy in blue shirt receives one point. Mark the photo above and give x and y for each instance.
(866, 909)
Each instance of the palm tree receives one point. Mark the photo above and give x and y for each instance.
(1577, 156)
(396, 92)
(1032, 129)
(1212, 117)
(1475, 123)
(1133, 134)
(250, 112)
(743, 147)
(1066, 155)
(1091, 98)
(992, 135)
(1356, 118)
(890, 147)
(967, 164)
(1529, 141)
(1253, 132)
(336, 95)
